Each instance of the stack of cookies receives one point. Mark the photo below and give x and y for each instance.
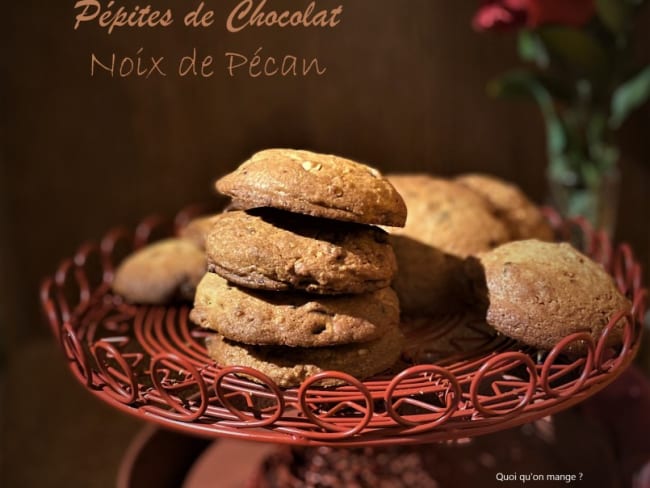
(298, 280)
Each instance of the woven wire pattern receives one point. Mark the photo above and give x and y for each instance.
(457, 377)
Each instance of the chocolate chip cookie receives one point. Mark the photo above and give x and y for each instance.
(290, 366)
(197, 230)
(522, 217)
(292, 318)
(539, 292)
(315, 184)
(161, 272)
(271, 249)
(448, 216)
(430, 283)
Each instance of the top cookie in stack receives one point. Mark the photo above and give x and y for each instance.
(299, 279)
(315, 184)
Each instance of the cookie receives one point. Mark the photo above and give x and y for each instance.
(161, 272)
(292, 319)
(315, 184)
(539, 292)
(522, 217)
(290, 366)
(448, 216)
(430, 283)
(277, 250)
(197, 230)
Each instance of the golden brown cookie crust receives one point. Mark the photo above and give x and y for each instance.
(448, 216)
(161, 272)
(269, 249)
(320, 185)
(523, 218)
(288, 367)
(292, 319)
(540, 292)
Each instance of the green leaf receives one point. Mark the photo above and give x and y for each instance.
(532, 49)
(561, 170)
(520, 83)
(614, 14)
(575, 48)
(601, 152)
(629, 96)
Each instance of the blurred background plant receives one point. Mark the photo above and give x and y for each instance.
(580, 69)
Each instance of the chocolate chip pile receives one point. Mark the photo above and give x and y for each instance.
(326, 467)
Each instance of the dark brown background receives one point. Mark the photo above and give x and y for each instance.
(404, 90)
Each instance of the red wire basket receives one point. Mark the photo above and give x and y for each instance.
(151, 362)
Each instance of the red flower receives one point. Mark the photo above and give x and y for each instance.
(513, 14)
(501, 15)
